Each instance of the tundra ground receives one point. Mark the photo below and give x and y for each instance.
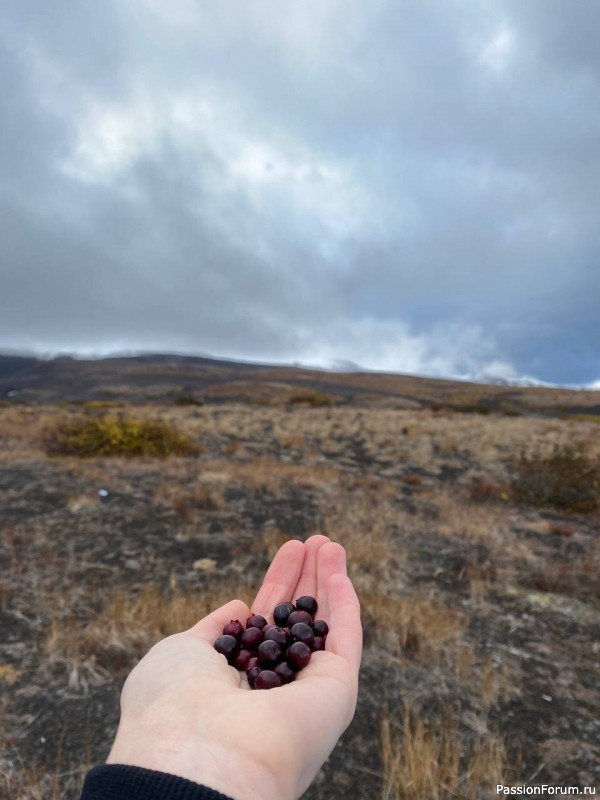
(482, 632)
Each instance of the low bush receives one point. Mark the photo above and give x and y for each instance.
(98, 405)
(311, 398)
(117, 435)
(567, 479)
(186, 398)
(483, 490)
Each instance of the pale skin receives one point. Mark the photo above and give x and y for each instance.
(185, 711)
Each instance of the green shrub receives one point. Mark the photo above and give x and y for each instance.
(187, 400)
(185, 396)
(117, 435)
(311, 398)
(567, 479)
(461, 408)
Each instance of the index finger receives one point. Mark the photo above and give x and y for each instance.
(281, 578)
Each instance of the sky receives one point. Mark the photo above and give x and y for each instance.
(401, 186)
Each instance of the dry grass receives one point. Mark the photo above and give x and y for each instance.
(267, 473)
(567, 478)
(21, 432)
(418, 628)
(268, 542)
(362, 515)
(188, 502)
(476, 523)
(418, 499)
(23, 782)
(498, 682)
(89, 651)
(435, 762)
(576, 579)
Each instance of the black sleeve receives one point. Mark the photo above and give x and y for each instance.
(121, 782)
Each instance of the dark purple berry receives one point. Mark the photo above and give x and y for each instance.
(242, 659)
(308, 604)
(268, 627)
(279, 635)
(320, 627)
(282, 612)
(252, 674)
(301, 632)
(298, 655)
(234, 628)
(319, 644)
(227, 645)
(268, 652)
(299, 616)
(267, 679)
(256, 621)
(251, 638)
(285, 672)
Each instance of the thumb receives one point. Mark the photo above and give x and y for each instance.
(211, 627)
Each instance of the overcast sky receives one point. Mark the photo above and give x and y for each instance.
(410, 186)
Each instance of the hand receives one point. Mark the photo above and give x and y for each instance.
(185, 711)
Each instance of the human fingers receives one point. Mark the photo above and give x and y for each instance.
(331, 560)
(280, 579)
(307, 582)
(345, 629)
(211, 626)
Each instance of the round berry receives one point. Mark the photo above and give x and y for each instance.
(298, 656)
(268, 652)
(252, 674)
(256, 621)
(242, 659)
(227, 645)
(299, 616)
(319, 644)
(285, 672)
(279, 635)
(267, 679)
(282, 612)
(308, 604)
(251, 638)
(302, 633)
(268, 627)
(320, 627)
(234, 628)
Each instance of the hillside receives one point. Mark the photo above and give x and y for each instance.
(164, 378)
(469, 514)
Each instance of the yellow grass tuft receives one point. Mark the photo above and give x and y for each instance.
(421, 762)
(413, 626)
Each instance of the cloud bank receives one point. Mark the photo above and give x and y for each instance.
(410, 187)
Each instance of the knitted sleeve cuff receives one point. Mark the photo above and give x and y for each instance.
(121, 782)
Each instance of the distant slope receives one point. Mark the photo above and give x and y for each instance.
(14, 365)
(160, 378)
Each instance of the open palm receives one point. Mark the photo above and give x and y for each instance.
(186, 711)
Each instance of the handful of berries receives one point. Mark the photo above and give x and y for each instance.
(271, 655)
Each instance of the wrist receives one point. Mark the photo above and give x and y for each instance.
(215, 766)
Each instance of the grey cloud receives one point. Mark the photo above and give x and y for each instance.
(329, 179)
